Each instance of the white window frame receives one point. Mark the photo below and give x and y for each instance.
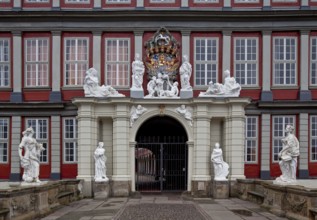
(37, 135)
(118, 1)
(4, 140)
(313, 61)
(276, 139)
(206, 1)
(77, 62)
(77, 1)
(206, 62)
(284, 61)
(5, 62)
(162, 1)
(37, 62)
(246, 1)
(251, 136)
(245, 62)
(70, 140)
(117, 63)
(284, 1)
(37, 1)
(313, 138)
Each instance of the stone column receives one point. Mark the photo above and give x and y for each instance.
(56, 147)
(87, 142)
(304, 93)
(304, 143)
(226, 51)
(265, 146)
(121, 153)
(266, 94)
(56, 95)
(16, 95)
(16, 137)
(234, 141)
(190, 145)
(132, 164)
(201, 164)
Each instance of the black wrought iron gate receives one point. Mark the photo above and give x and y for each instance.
(161, 166)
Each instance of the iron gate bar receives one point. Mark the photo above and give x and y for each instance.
(161, 166)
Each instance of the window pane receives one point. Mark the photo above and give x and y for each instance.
(4, 62)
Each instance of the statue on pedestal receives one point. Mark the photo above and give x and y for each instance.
(100, 164)
(92, 88)
(288, 155)
(137, 73)
(221, 168)
(30, 161)
(185, 72)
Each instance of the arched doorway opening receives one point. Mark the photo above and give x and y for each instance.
(161, 156)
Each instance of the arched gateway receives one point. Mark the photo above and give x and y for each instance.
(161, 155)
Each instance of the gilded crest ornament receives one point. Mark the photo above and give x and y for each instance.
(162, 55)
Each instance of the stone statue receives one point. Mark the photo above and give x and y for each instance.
(92, 88)
(230, 88)
(151, 87)
(185, 72)
(136, 113)
(137, 72)
(288, 155)
(100, 164)
(30, 161)
(173, 92)
(221, 168)
(186, 112)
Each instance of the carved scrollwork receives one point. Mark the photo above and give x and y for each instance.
(296, 204)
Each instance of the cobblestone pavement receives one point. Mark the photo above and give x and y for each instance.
(162, 206)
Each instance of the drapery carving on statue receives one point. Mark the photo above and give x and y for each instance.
(221, 168)
(230, 88)
(186, 112)
(92, 88)
(156, 88)
(100, 163)
(137, 73)
(288, 156)
(185, 72)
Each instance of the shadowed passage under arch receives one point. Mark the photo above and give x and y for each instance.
(161, 155)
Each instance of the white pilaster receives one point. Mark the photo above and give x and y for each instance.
(138, 45)
(56, 147)
(56, 61)
(226, 51)
(266, 56)
(97, 4)
(132, 165)
(304, 94)
(15, 141)
(190, 145)
(17, 57)
(304, 143)
(17, 3)
(96, 48)
(186, 43)
(56, 4)
(140, 3)
(265, 146)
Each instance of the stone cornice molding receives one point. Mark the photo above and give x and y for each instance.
(16, 33)
(266, 32)
(56, 33)
(138, 32)
(185, 32)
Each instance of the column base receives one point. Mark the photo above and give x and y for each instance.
(55, 176)
(101, 190)
(265, 175)
(137, 93)
(266, 96)
(86, 186)
(120, 188)
(15, 177)
(16, 97)
(305, 95)
(55, 96)
(201, 188)
(186, 94)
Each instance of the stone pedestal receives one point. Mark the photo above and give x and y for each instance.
(220, 189)
(137, 93)
(101, 190)
(186, 94)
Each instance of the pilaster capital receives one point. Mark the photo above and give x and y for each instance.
(97, 33)
(185, 33)
(266, 32)
(16, 33)
(226, 33)
(138, 33)
(56, 33)
(120, 118)
(304, 32)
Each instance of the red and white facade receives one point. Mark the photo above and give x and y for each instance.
(269, 46)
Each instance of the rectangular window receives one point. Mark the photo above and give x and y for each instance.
(284, 60)
(40, 127)
(206, 1)
(162, 1)
(77, 1)
(278, 132)
(36, 62)
(313, 60)
(76, 60)
(251, 139)
(70, 140)
(4, 62)
(118, 1)
(246, 60)
(117, 60)
(246, 1)
(313, 138)
(4, 140)
(206, 60)
(36, 1)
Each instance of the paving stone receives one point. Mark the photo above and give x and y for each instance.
(222, 215)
